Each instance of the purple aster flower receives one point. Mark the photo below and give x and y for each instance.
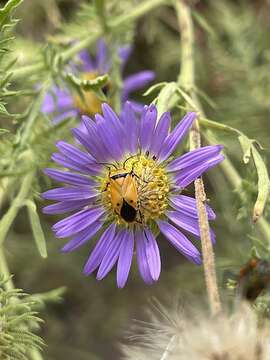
(125, 187)
(63, 103)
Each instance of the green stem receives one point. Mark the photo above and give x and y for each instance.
(15, 206)
(4, 270)
(33, 115)
(66, 55)
(186, 80)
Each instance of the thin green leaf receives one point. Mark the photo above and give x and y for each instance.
(187, 98)
(6, 11)
(153, 88)
(3, 110)
(246, 145)
(36, 228)
(165, 96)
(3, 131)
(263, 184)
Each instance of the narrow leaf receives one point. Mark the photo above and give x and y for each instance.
(246, 145)
(153, 88)
(36, 228)
(165, 96)
(263, 184)
(7, 9)
(3, 110)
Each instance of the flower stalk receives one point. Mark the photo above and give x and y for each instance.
(18, 202)
(186, 81)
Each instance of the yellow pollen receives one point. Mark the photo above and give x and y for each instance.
(91, 104)
(152, 183)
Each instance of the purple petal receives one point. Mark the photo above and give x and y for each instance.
(69, 194)
(111, 117)
(160, 133)
(87, 61)
(78, 158)
(100, 250)
(82, 237)
(69, 178)
(125, 258)
(114, 122)
(188, 206)
(124, 53)
(194, 157)
(65, 115)
(110, 138)
(176, 135)
(152, 254)
(188, 175)
(142, 260)
(91, 169)
(77, 222)
(91, 142)
(148, 123)
(187, 223)
(111, 255)
(65, 206)
(136, 81)
(48, 104)
(73, 153)
(60, 101)
(136, 107)
(102, 55)
(130, 127)
(179, 241)
(88, 140)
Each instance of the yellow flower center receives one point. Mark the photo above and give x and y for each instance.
(138, 182)
(91, 104)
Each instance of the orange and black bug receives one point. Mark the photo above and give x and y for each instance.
(253, 278)
(124, 194)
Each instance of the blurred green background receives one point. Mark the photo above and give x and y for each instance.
(233, 69)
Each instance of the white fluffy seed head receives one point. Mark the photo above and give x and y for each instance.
(174, 335)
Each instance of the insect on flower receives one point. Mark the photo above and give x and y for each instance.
(124, 195)
(125, 187)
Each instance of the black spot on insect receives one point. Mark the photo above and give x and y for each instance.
(128, 213)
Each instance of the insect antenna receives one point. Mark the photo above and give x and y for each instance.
(130, 157)
(108, 165)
